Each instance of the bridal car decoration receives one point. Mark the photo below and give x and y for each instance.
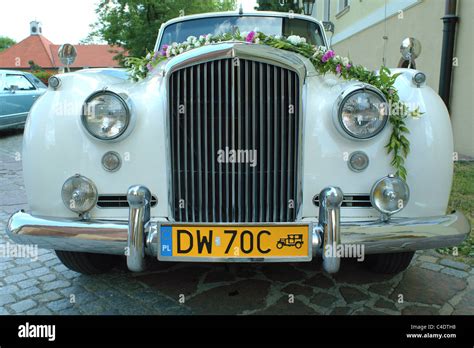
(324, 60)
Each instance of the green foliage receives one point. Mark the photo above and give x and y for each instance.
(279, 6)
(134, 24)
(6, 42)
(325, 61)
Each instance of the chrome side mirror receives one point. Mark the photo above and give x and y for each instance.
(67, 54)
(13, 89)
(410, 49)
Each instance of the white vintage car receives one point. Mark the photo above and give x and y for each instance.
(205, 160)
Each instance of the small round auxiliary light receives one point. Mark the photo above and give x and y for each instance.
(54, 82)
(419, 79)
(79, 194)
(111, 161)
(358, 161)
(390, 194)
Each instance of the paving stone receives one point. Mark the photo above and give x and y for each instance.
(38, 272)
(431, 266)
(48, 277)
(49, 296)
(418, 285)
(27, 283)
(419, 310)
(297, 289)
(28, 292)
(455, 264)
(232, 299)
(59, 305)
(352, 295)
(9, 289)
(323, 299)
(383, 289)
(455, 272)
(23, 306)
(341, 311)
(180, 281)
(466, 305)
(58, 284)
(382, 303)
(282, 272)
(218, 276)
(15, 278)
(320, 281)
(427, 258)
(283, 307)
(6, 299)
(368, 311)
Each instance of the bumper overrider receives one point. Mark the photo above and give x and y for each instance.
(139, 236)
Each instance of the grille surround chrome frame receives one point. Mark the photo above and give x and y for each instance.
(254, 53)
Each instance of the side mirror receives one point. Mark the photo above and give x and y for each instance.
(13, 89)
(410, 49)
(67, 54)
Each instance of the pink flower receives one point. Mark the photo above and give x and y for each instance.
(348, 66)
(250, 37)
(338, 68)
(328, 55)
(149, 67)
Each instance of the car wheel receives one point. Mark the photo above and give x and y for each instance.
(298, 245)
(279, 245)
(392, 263)
(87, 263)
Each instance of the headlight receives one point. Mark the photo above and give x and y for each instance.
(363, 113)
(105, 115)
(389, 195)
(79, 194)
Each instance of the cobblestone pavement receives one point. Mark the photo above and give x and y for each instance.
(434, 284)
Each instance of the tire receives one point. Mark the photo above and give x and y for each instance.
(389, 263)
(279, 245)
(87, 263)
(298, 245)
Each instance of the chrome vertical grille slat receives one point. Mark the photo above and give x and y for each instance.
(228, 106)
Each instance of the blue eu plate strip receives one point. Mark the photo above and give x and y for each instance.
(166, 241)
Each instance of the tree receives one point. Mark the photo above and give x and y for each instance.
(279, 5)
(134, 24)
(6, 42)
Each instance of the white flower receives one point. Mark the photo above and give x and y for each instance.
(345, 61)
(296, 40)
(174, 44)
(181, 50)
(197, 44)
(257, 40)
(278, 37)
(168, 52)
(173, 51)
(191, 39)
(148, 56)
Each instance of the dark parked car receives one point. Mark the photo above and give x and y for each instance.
(18, 91)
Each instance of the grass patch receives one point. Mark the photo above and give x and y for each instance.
(462, 199)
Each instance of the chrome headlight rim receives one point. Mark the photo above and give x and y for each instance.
(348, 93)
(123, 132)
(374, 187)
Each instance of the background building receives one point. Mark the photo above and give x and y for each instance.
(370, 33)
(38, 49)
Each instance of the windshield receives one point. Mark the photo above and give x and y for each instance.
(179, 32)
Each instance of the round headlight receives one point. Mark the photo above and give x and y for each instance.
(105, 115)
(363, 113)
(390, 194)
(79, 194)
(54, 82)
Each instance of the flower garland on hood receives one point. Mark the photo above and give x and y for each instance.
(324, 60)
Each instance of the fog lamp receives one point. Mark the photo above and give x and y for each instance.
(79, 194)
(54, 82)
(390, 194)
(111, 161)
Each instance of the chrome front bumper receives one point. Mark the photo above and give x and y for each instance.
(139, 236)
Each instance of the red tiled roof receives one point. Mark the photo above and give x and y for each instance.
(45, 54)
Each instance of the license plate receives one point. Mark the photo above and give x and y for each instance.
(242, 243)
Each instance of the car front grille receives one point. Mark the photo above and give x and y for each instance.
(235, 104)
